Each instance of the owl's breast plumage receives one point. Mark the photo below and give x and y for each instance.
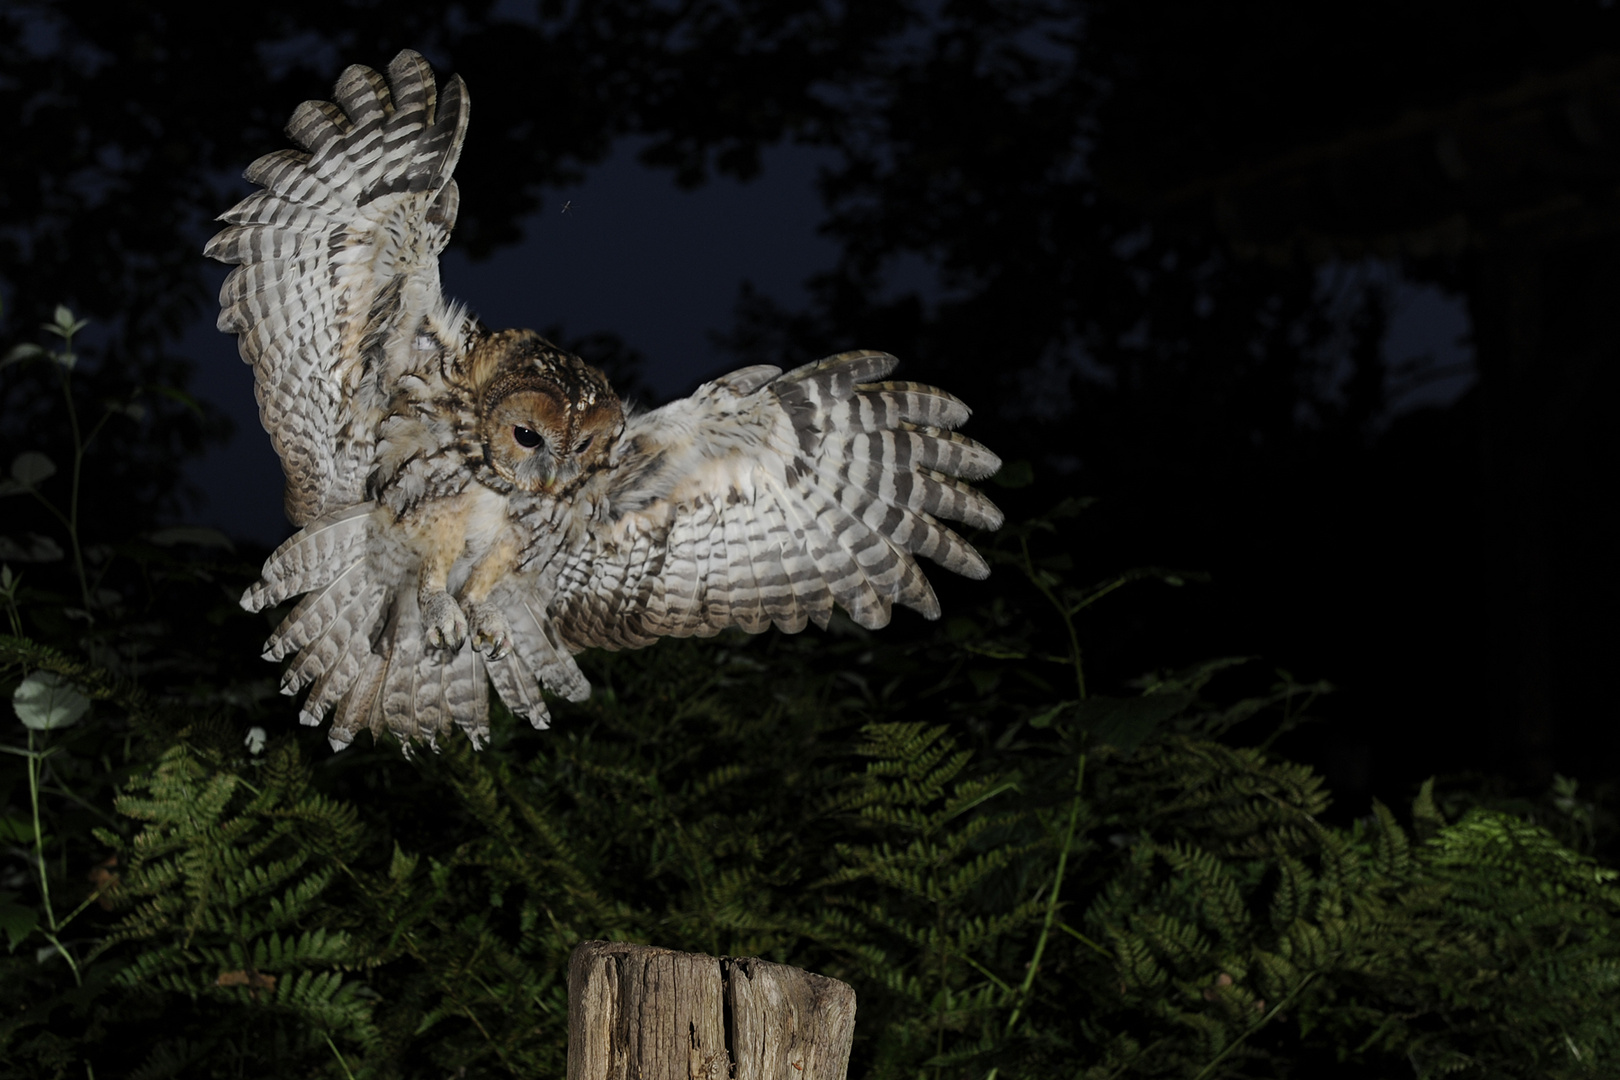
(486, 524)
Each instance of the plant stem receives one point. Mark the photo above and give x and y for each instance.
(1051, 904)
(944, 986)
(1092, 945)
(92, 898)
(1262, 1022)
(339, 1055)
(73, 498)
(1052, 898)
(1068, 619)
(34, 758)
(68, 793)
(39, 835)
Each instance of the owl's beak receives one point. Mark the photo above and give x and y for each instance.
(559, 473)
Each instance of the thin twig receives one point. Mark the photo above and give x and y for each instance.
(1262, 1022)
(339, 1055)
(73, 498)
(1068, 618)
(1052, 899)
(1051, 904)
(1066, 928)
(34, 758)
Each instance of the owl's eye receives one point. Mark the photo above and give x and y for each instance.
(526, 437)
(584, 444)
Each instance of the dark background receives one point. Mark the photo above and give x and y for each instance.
(1315, 298)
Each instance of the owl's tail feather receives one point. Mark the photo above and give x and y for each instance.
(313, 556)
(411, 690)
(390, 681)
(349, 584)
(537, 657)
(356, 637)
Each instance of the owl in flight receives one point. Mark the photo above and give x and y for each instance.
(477, 506)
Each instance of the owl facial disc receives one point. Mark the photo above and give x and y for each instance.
(542, 439)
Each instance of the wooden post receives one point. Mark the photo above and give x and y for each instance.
(638, 1012)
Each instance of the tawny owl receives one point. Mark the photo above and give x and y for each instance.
(476, 507)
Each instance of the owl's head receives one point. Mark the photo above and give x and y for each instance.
(546, 418)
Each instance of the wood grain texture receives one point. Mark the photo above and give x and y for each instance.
(639, 1012)
(787, 1022)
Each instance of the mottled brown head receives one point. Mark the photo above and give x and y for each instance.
(546, 418)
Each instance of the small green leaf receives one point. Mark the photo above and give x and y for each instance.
(17, 354)
(1427, 820)
(14, 828)
(1015, 474)
(39, 549)
(1126, 723)
(994, 651)
(1071, 507)
(403, 865)
(45, 700)
(438, 872)
(983, 681)
(1044, 718)
(192, 534)
(31, 468)
(16, 920)
(174, 394)
(64, 325)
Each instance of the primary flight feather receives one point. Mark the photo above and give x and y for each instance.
(476, 507)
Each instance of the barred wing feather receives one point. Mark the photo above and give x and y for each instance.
(766, 498)
(336, 286)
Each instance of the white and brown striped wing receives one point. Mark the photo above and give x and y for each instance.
(336, 287)
(766, 498)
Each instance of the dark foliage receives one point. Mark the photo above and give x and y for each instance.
(1016, 882)
(1021, 871)
(1039, 839)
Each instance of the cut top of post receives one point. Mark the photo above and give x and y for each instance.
(639, 1012)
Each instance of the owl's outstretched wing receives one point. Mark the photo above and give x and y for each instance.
(765, 498)
(336, 288)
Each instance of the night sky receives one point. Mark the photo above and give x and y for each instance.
(635, 255)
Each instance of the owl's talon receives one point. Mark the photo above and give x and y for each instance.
(446, 625)
(490, 634)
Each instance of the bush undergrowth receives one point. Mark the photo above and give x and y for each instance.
(1026, 868)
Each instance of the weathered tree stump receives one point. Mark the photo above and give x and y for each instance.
(638, 1012)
